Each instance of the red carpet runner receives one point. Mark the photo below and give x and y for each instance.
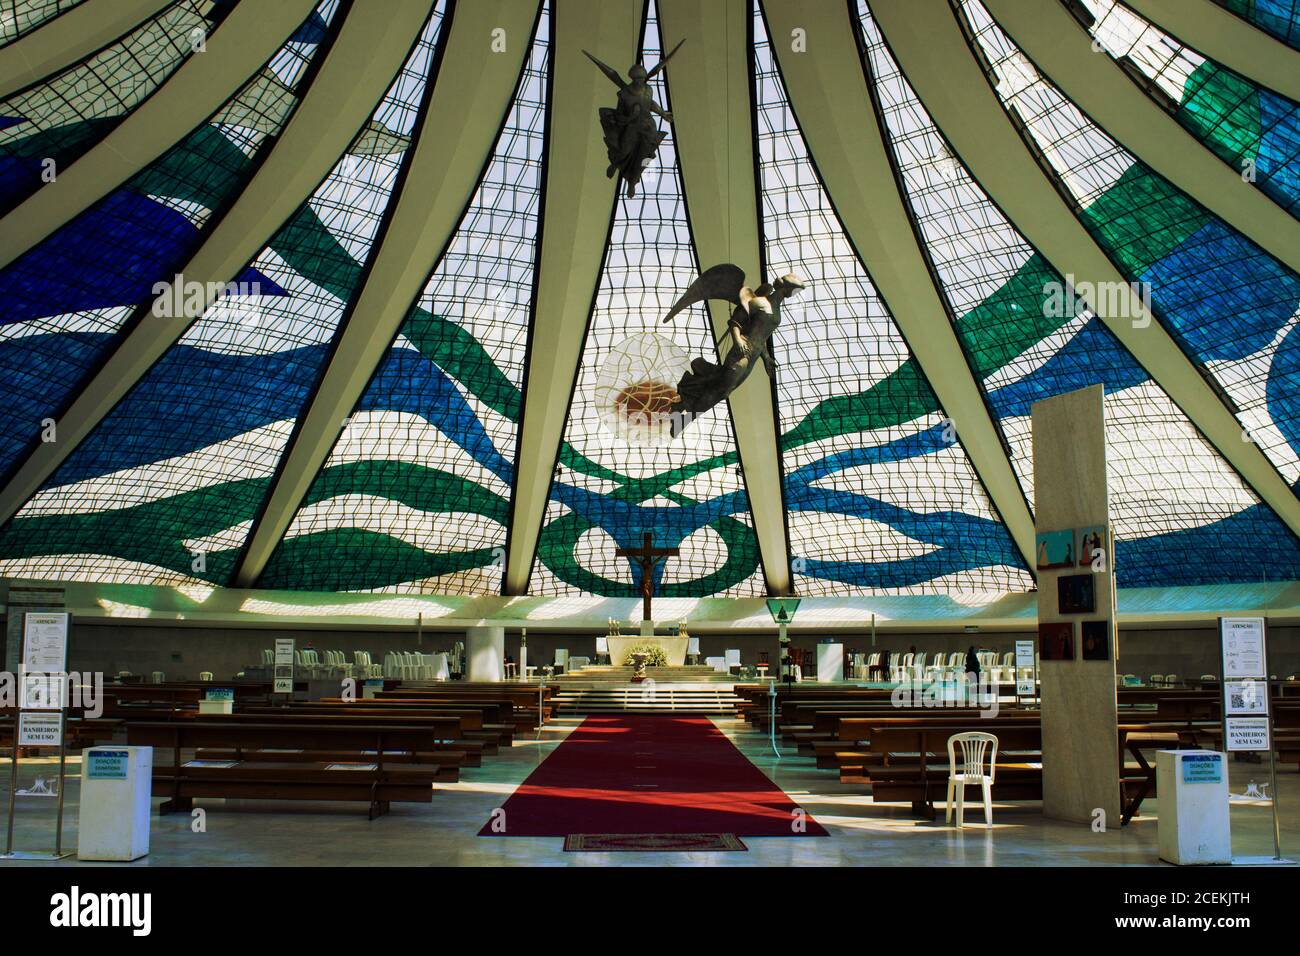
(650, 774)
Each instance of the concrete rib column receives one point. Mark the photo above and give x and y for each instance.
(359, 68)
(248, 38)
(829, 95)
(470, 97)
(709, 84)
(576, 216)
(934, 55)
(70, 38)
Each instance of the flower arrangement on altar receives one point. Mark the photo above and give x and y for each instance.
(655, 656)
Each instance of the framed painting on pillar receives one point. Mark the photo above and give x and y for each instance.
(1054, 549)
(1056, 641)
(1094, 640)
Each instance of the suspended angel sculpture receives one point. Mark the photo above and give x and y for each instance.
(750, 328)
(631, 135)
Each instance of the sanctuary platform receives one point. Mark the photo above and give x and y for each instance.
(690, 688)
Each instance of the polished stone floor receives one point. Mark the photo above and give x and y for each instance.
(247, 833)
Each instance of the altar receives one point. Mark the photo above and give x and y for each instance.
(673, 646)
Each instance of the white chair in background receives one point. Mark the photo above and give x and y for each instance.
(974, 746)
(562, 659)
(733, 657)
(268, 657)
(158, 677)
(205, 677)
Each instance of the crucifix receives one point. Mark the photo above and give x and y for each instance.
(647, 556)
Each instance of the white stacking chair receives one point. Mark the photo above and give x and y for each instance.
(975, 746)
(733, 657)
(205, 677)
(918, 666)
(562, 658)
(158, 677)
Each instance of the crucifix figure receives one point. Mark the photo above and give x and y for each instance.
(647, 556)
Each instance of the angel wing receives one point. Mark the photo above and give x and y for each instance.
(609, 71)
(720, 282)
(664, 62)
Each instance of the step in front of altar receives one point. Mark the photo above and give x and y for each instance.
(647, 698)
(683, 674)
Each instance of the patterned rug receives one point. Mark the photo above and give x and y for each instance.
(652, 842)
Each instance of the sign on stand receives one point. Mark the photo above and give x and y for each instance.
(1028, 686)
(40, 729)
(1247, 717)
(42, 679)
(283, 666)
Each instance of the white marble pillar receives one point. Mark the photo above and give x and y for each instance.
(1080, 733)
(485, 653)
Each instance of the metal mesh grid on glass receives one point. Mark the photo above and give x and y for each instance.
(610, 488)
(1252, 129)
(879, 493)
(1278, 18)
(166, 487)
(68, 296)
(1231, 307)
(20, 17)
(44, 129)
(1180, 514)
(415, 494)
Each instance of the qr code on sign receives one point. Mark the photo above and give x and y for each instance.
(1238, 700)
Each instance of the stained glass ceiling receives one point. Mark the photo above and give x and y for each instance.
(188, 472)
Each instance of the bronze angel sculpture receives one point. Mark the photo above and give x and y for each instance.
(631, 135)
(756, 315)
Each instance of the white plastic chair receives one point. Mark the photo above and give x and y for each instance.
(205, 677)
(158, 677)
(562, 658)
(733, 658)
(974, 746)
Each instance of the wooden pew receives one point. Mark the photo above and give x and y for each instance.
(1017, 778)
(182, 781)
